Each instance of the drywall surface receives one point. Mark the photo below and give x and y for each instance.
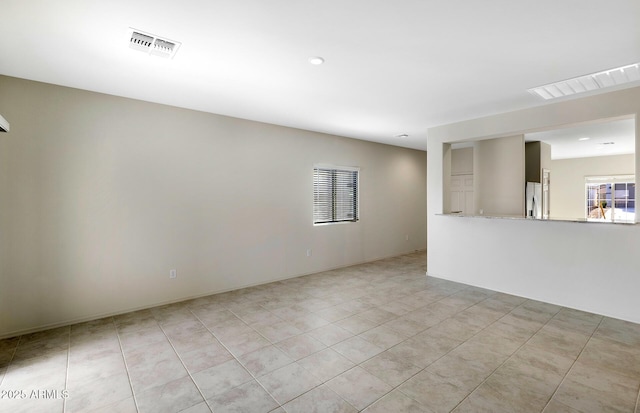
(589, 266)
(499, 176)
(462, 161)
(102, 196)
(568, 181)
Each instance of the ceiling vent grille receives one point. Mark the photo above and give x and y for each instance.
(594, 81)
(153, 45)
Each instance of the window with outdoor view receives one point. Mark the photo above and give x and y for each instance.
(611, 198)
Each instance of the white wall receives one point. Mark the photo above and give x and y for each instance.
(559, 262)
(101, 196)
(567, 177)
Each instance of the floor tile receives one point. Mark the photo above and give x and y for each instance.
(377, 315)
(422, 351)
(221, 378)
(44, 372)
(276, 332)
(619, 330)
(409, 326)
(301, 346)
(244, 343)
(308, 322)
(359, 387)
(173, 396)
(603, 378)
(330, 334)
(326, 364)
(127, 405)
(357, 349)
(463, 374)
(137, 320)
(248, 397)
(434, 392)
(42, 345)
(140, 338)
(32, 405)
(198, 408)
(395, 401)
(319, 400)
(204, 357)
(288, 382)
(194, 340)
(98, 393)
(587, 399)
(383, 337)
(613, 355)
(86, 370)
(513, 389)
(390, 368)
(265, 360)
(356, 324)
(216, 317)
(497, 343)
(172, 313)
(153, 365)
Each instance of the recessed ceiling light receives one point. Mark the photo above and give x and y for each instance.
(404, 135)
(586, 83)
(584, 139)
(316, 60)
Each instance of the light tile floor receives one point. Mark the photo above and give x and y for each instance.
(377, 337)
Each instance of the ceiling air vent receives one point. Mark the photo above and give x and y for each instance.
(601, 80)
(152, 44)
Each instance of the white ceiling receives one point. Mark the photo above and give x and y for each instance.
(604, 138)
(391, 67)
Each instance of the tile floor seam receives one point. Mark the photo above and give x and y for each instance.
(315, 387)
(234, 358)
(346, 371)
(444, 355)
(396, 387)
(465, 341)
(126, 366)
(573, 364)
(13, 354)
(518, 349)
(185, 368)
(294, 361)
(66, 376)
(423, 369)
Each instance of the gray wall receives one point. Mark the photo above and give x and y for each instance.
(101, 196)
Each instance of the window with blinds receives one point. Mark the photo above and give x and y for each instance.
(335, 194)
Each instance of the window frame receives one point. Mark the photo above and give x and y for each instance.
(356, 200)
(611, 180)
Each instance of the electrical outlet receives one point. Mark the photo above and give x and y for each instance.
(173, 273)
(309, 252)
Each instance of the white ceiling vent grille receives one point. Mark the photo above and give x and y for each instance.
(594, 81)
(152, 44)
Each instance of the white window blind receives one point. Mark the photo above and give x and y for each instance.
(335, 195)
